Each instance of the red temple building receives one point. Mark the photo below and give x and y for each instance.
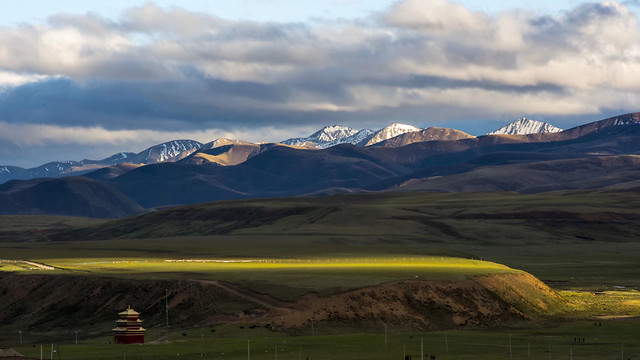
(129, 328)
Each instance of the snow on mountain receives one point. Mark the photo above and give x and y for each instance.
(170, 151)
(334, 135)
(322, 137)
(360, 138)
(526, 126)
(391, 131)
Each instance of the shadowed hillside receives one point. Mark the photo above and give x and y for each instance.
(75, 196)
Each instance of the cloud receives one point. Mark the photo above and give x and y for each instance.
(38, 135)
(174, 71)
(437, 16)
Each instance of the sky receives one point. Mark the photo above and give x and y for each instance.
(81, 79)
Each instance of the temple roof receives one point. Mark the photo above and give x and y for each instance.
(129, 312)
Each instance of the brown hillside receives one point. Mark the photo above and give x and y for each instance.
(425, 304)
(429, 134)
(227, 155)
(38, 302)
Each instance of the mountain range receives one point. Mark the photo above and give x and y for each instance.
(598, 155)
(241, 150)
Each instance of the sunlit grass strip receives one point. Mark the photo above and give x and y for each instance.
(22, 265)
(618, 303)
(178, 265)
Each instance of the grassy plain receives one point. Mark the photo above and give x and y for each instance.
(569, 239)
(286, 279)
(612, 340)
(583, 244)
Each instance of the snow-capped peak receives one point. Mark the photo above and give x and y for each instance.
(524, 126)
(320, 139)
(332, 133)
(358, 138)
(391, 131)
(172, 150)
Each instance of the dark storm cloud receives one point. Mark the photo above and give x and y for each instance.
(142, 105)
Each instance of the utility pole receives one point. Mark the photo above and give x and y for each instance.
(76, 337)
(166, 311)
(20, 333)
(385, 334)
(276, 351)
(40, 351)
(51, 351)
(510, 354)
(248, 349)
(446, 343)
(421, 349)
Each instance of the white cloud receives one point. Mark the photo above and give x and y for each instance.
(438, 16)
(11, 79)
(38, 135)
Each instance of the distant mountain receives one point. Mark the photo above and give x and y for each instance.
(428, 134)
(595, 155)
(222, 142)
(277, 171)
(112, 171)
(621, 172)
(287, 171)
(323, 137)
(391, 131)
(73, 196)
(169, 151)
(226, 155)
(335, 135)
(524, 126)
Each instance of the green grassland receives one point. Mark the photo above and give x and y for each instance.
(569, 239)
(609, 340)
(286, 279)
(583, 244)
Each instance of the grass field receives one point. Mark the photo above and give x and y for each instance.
(321, 275)
(583, 244)
(571, 240)
(611, 340)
